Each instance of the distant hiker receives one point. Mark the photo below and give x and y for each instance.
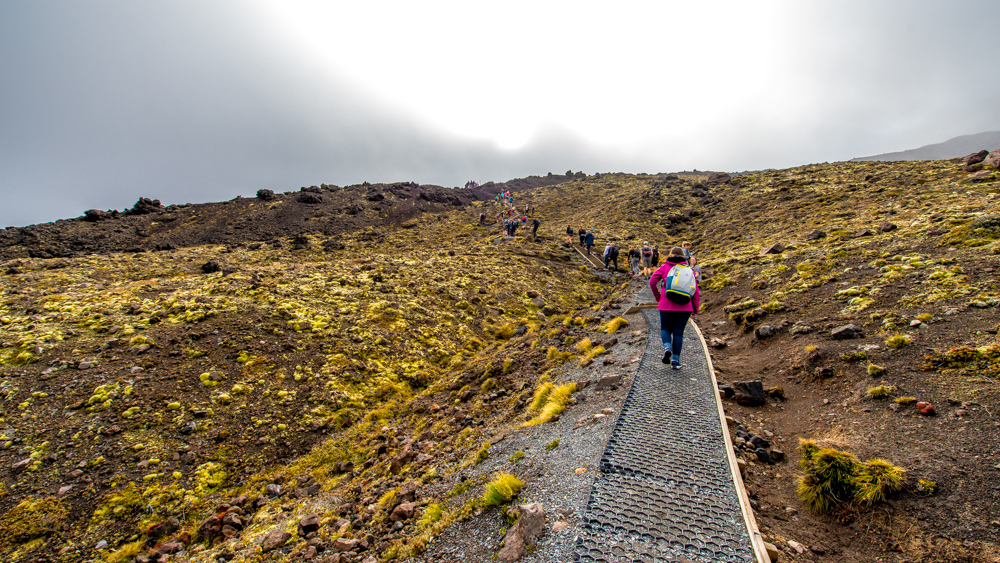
(646, 255)
(589, 239)
(634, 257)
(656, 256)
(583, 235)
(613, 256)
(534, 227)
(482, 218)
(678, 300)
(532, 210)
(569, 234)
(686, 246)
(695, 268)
(604, 256)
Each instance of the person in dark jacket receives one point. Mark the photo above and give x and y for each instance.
(656, 256)
(569, 234)
(673, 316)
(534, 227)
(583, 235)
(611, 256)
(589, 240)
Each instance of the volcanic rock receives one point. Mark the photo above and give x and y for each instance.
(750, 393)
(521, 536)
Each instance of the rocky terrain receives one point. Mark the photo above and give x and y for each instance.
(337, 374)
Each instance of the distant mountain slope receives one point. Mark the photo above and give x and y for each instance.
(952, 148)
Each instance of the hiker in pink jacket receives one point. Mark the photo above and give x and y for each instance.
(674, 313)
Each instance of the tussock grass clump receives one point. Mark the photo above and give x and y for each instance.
(881, 392)
(483, 453)
(518, 456)
(855, 356)
(615, 324)
(875, 370)
(835, 477)
(541, 396)
(926, 487)
(897, 341)
(906, 400)
(501, 489)
(584, 345)
(877, 478)
(550, 402)
(552, 445)
(986, 358)
(431, 515)
(555, 356)
(717, 282)
(591, 354)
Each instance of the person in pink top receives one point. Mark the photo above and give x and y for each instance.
(673, 316)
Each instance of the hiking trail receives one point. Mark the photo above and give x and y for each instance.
(669, 488)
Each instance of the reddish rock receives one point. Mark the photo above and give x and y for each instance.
(344, 544)
(926, 409)
(521, 536)
(403, 512)
(211, 527)
(993, 159)
(274, 539)
(976, 157)
(308, 524)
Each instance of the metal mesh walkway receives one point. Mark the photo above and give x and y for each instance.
(666, 490)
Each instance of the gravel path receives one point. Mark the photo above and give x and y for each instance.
(552, 477)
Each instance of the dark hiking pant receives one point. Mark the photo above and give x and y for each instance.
(672, 325)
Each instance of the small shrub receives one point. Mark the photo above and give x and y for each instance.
(489, 385)
(881, 392)
(557, 357)
(584, 345)
(897, 341)
(459, 488)
(855, 356)
(501, 489)
(906, 400)
(615, 324)
(552, 445)
(518, 456)
(876, 370)
(593, 353)
(776, 392)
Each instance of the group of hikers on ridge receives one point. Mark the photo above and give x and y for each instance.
(675, 283)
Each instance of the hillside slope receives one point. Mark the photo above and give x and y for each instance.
(952, 148)
(150, 398)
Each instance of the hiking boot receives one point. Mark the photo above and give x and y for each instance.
(666, 356)
(675, 364)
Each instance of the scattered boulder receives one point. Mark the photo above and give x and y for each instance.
(993, 159)
(308, 524)
(717, 343)
(310, 198)
(21, 465)
(345, 544)
(976, 157)
(727, 390)
(926, 409)
(846, 332)
(864, 233)
(521, 536)
(608, 382)
(776, 248)
(145, 206)
(95, 215)
(265, 195)
(274, 539)
(815, 235)
(887, 227)
(720, 178)
(211, 527)
(750, 393)
(211, 267)
(403, 512)
(763, 456)
(764, 331)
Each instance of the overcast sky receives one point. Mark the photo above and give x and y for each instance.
(103, 102)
